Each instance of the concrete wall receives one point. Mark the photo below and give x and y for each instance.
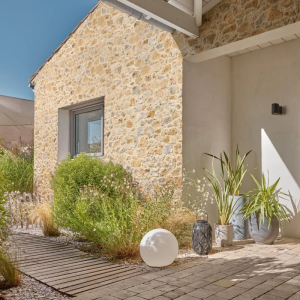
(227, 102)
(206, 115)
(261, 78)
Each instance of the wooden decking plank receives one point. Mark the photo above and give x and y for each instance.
(59, 261)
(81, 283)
(40, 250)
(50, 254)
(46, 273)
(51, 259)
(68, 262)
(37, 241)
(30, 245)
(81, 275)
(65, 268)
(98, 285)
(45, 250)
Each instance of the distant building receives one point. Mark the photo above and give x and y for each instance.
(16, 121)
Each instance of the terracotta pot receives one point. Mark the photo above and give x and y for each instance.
(223, 235)
(263, 234)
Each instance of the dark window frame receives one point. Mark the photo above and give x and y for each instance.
(85, 107)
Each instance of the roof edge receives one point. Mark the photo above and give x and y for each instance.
(61, 45)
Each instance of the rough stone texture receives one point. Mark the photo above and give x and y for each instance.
(233, 20)
(138, 69)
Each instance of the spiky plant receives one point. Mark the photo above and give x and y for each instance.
(222, 189)
(264, 200)
(233, 173)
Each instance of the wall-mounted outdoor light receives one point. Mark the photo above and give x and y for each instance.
(276, 109)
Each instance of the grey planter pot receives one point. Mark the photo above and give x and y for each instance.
(262, 234)
(223, 235)
(240, 226)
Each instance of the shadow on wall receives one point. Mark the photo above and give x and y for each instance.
(273, 163)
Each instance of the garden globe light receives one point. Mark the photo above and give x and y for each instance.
(159, 248)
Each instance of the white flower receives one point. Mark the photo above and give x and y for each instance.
(94, 229)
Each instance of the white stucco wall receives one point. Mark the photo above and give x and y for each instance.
(206, 115)
(260, 78)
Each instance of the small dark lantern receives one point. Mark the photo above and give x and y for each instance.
(276, 109)
(202, 237)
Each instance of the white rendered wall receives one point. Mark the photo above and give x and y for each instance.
(206, 115)
(260, 78)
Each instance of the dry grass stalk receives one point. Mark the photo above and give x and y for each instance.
(42, 212)
(10, 276)
(180, 223)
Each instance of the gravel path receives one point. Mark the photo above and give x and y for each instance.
(31, 289)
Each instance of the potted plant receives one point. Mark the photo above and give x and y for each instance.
(235, 175)
(264, 211)
(226, 205)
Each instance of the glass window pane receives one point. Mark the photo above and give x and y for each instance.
(88, 132)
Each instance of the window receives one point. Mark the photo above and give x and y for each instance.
(87, 128)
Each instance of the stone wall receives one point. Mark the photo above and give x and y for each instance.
(138, 69)
(233, 20)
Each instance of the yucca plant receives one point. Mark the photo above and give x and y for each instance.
(233, 173)
(264, 200)
(222, 190)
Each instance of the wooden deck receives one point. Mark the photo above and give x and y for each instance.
(66, 269)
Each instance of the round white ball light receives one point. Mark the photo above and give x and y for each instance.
(159, 248)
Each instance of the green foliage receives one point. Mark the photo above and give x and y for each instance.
(9, 273)
(229, 185)
(265, 201)
(3, 183)
(233, 174)
(99, 200)
(17, 168)
(72, 175)
(117, 224)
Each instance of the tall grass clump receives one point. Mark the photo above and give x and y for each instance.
(10, 276)
(101, 202)
(3, 199)
(17, 168)
(42, 213)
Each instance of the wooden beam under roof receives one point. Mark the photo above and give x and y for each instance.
(167, 14)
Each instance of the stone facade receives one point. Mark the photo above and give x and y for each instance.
(234, 20)
(138, 69)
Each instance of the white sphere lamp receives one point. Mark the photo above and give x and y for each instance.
(159, 248)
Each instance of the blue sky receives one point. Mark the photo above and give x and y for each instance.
(30, 30)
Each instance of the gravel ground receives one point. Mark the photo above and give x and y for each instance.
(31, 289)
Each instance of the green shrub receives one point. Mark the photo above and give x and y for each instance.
(17, 168)
(72, 175)
(117, 224)
(99, 201)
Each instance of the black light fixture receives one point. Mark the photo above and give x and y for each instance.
(276, 109)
